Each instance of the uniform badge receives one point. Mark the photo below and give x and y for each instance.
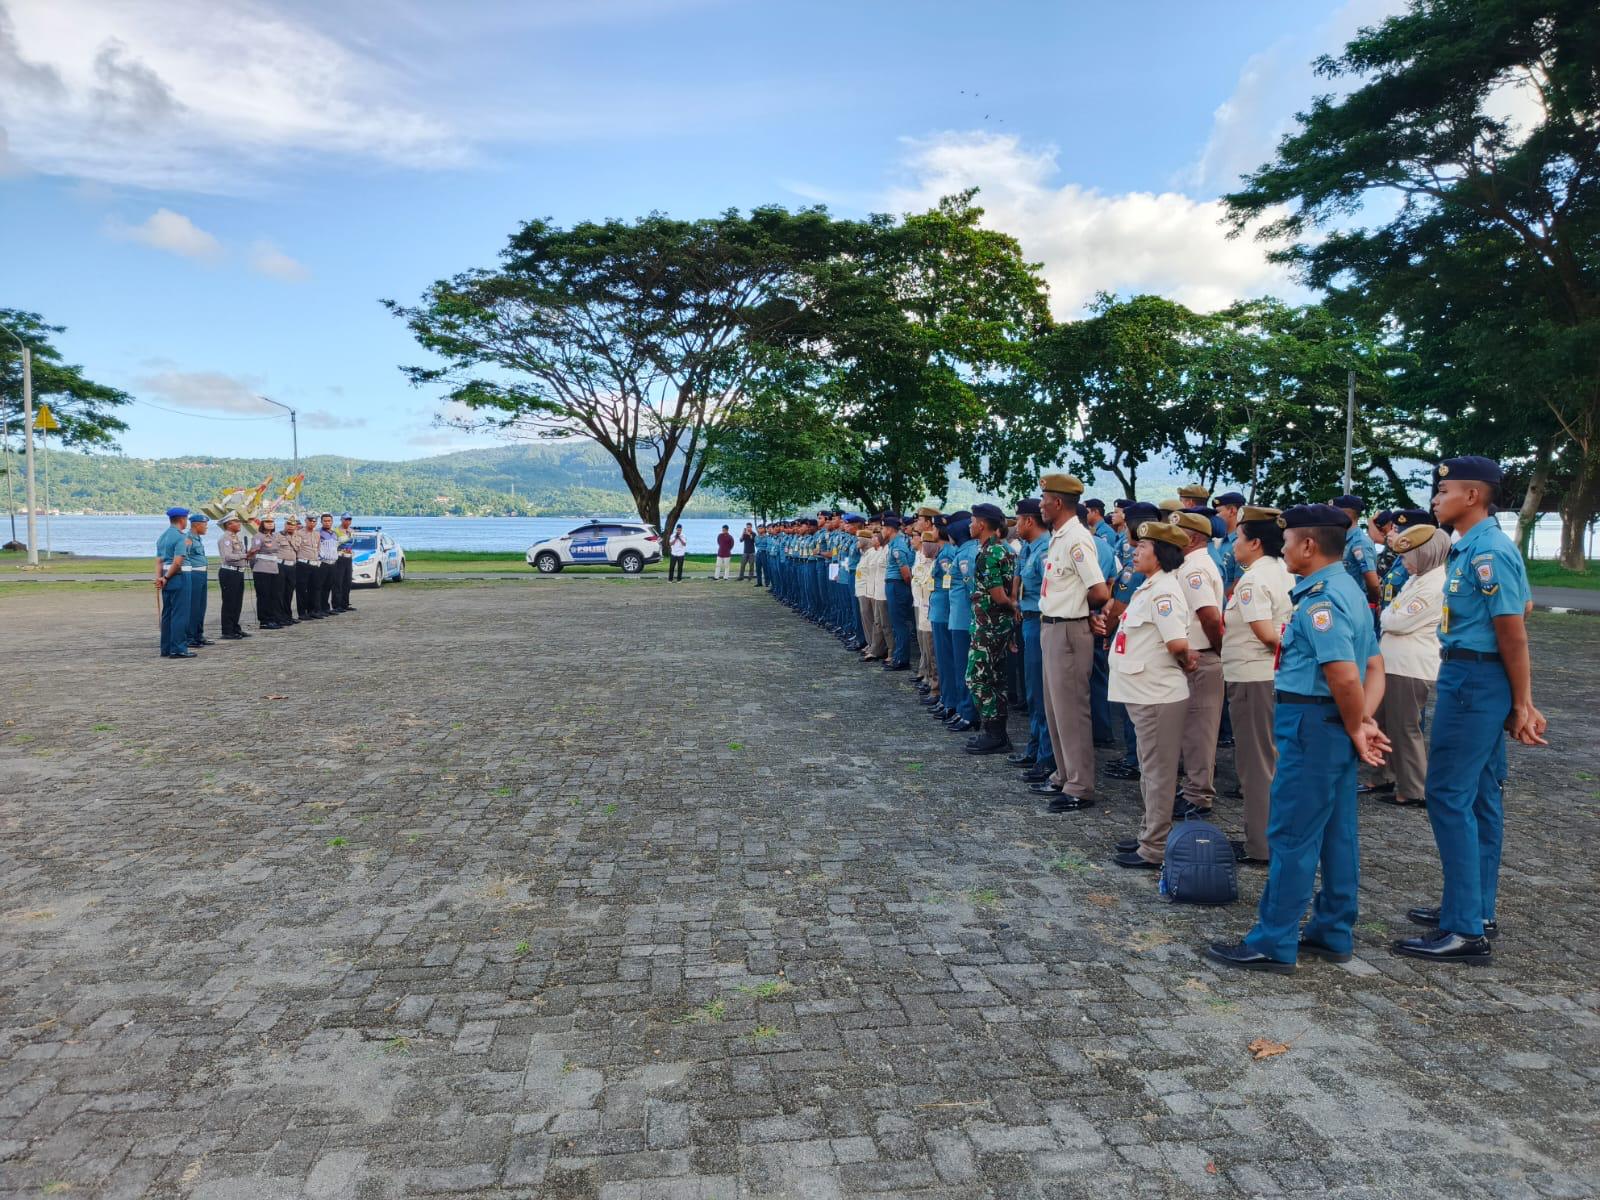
(1415, 607)
(1322, 620)
(1195, 580)
(1077, 554)
(1485, 572)
(1164, 607)
(1360, 554)
(1244, 595)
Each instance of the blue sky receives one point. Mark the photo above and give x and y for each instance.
(213, 197)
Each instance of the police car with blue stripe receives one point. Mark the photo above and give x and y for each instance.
(376, 557)
(628, 545)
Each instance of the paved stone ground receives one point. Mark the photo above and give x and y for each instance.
(620, 889)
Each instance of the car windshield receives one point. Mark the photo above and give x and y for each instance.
(364, 541)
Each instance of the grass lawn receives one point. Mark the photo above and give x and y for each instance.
(418, 562)
(1548, 573)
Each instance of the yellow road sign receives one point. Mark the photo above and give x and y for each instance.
(45, 420)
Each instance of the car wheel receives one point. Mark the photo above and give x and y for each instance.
(547, 563)
(400, 575)
(631, 562)
(377, 578)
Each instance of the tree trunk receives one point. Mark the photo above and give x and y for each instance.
(1578, 508)
(1533, 500)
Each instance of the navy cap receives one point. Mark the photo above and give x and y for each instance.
(196, 514)
(1083, 512)
(1123, 503)
(961, 514)
(1353, 503)
(1234, 498)
(1406, 518)
(1142, 510)
(177, 512)
(1028, 507)
(892, 521)
(1472, 468)
(1384, 517)
(991, 514)
(854, 519)
(1098, 505)
(1311, 516)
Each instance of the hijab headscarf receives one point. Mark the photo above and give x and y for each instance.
(1421, 559)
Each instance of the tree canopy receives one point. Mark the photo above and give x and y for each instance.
(87, 411)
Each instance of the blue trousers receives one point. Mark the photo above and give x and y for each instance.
(901, 620)
(1033, 683)
(942, 656)
(960, 649)
(1466, 767)
(197, 605)
(175, 615)
(1312, 824)
(1099, 682)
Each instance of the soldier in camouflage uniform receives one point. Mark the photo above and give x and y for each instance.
(994, 627)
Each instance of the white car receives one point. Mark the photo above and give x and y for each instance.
(629, 545)
(377, 557)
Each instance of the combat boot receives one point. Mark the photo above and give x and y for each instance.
(993, 740)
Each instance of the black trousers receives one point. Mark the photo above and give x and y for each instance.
(232, 585)
(288, 582)
(267, 598)
(675, 566)
(342, 570)
(324, 596)
(305, 589)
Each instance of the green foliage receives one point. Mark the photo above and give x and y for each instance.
(85, 409)
(780, 453)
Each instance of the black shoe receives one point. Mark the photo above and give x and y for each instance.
(1375, 789)
(1188, 812)
(1119, 770)
(960, 725)
(1104, 743)
(1325, 953)
(184, 654)
(1224, 742)
(1125, 845)
(239, 633)
(231, 637)
(1065, 804)
(1133, 862)
(941, 712)
(1023, 759)
(1444, 946)
(993, 739)
(1238, 955)
(896, 666)
(268, 625)
(202, 642)
(1430, 916)
(1242, 856)
(929, 700)
(1039, 773)
(1235, 793)
(349, 608)
(1044, 788)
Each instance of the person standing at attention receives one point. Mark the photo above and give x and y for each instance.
(173, 585)
(677, 551)
(724, 554)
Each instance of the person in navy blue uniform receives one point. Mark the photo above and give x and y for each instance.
(173, 585)
(195, 570)
(1360, 555)
(897, 589)
(1484, 691)
(1329, 685)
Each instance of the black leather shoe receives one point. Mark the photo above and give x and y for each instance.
(1190, 813)
(1024, 759)
(185, 654)
(940, 712)
(1126, 845)
(1224, 742)
(269, 625)
(1443, 946)
(231, 637)
(1239, 955)
(1133, 862)
(1119, 770)
(1325, 953)
(1065, 804)
(1242, 856)
(896, 667)
(1375, 789)
(960, 725)
(202, 642)
(1104, 743)
(1430, 916)
(1038, 774)
(1044, 789)
(241, 634)
(349, 608)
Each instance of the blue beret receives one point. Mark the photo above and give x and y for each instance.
(892, 521)
(854, 519)
(1473, 468)
(1028, 507)
(196, 514)
(960, 529)
(1406, 518)
(1384, 517)
(1310, 516)
(1234, 498)
(1353, 503)
(1136, 511)
(177, 512)
(1098, 505)
(990, 513)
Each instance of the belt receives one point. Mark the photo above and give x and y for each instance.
(1033, 616)
(1297, 698)
(1447, 653)
(268, 558)
(226, 567)
(186, 569)
(1058, 620)
(306, 562)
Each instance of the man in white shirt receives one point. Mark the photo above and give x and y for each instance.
(1202, 587)
(1073, 583)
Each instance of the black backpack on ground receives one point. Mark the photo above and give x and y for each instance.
(1200, 866)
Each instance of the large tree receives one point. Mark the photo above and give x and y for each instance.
(87, 411)
(1476, 124)
(645, 336)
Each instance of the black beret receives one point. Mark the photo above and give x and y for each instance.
(892, 521)
(1098, 505)
(991, 514)
(1472, 468)
(1028, 507)
(1310, 516)
(1234, 498)
(961, 514)
(960, 527)
(1141, 510)
(1123, 503)
(1408, 517)
(1353, 503)
(1384, 517)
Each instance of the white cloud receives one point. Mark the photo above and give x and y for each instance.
(208, 391)
(267, 259)
(180, 93)
(172, 232)
(321, 419)
(1088, 241)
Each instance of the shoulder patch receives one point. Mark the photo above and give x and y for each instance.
(1164, 606)
(1077, 554)
(1415, 607)
(1322, 619)
(1196, 580)
(1244, 595)
(1315, 588)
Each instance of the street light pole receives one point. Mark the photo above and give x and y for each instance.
(294, 428)
(1349, 427)
(27, 441)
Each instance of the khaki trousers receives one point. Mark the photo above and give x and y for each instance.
(1067, 651)
(929, 668)
(1158, 729)
(1400, 716)
(1255, 757)
(1200, 726)
(869, 624)
(880, 613)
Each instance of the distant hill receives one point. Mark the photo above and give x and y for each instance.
(572, 479)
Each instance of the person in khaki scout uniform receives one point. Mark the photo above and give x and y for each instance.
(1202, 588)
(264, 572)
(305, 569)
(1151, 661)
(1073, 583)
(1254, 620)
(921, 591)
(1410, 648)
(230, 576)
(287, 544)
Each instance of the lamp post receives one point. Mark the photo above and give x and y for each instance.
(27, 441)
(294, 428)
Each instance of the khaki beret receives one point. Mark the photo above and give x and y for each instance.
(1193, 491)
(1410, 539)
(1192, 521)
(930, 535)
(1066, 485)
(1164, 531)
(1168, 506)
(925, 511)
(1251, 513)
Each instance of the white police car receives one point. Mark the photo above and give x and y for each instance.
(377, 557)
(629, 545)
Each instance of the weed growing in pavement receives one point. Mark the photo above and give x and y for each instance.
(521, 949)
(764, 1033)
(102, 728)
(984, 897)
(502, 791)
(397, 1045)
(735, 745)
(610, 808)
(336, 842)
(768, 989)
(706, 1014)
(1075, 862)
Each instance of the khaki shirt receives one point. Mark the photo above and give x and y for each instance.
(1202, 586)
(1262, 594)
(921, 589)
(305, 546)
(1143, 670)
(1071, 568)
(1410, 642)
(231, 547)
